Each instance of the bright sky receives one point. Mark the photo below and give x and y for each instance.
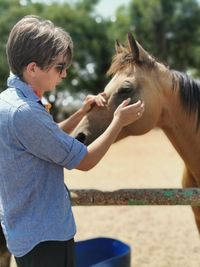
(107, 7)
(104, 8)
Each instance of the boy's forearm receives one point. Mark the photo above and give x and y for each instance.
(70, 123)
(99, 147)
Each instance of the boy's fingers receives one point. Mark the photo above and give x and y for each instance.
(136, 104)
(100, 100)
(103, 94)
(125, 102)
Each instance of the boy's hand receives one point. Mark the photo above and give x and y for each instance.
(126, 114)
(92, 100)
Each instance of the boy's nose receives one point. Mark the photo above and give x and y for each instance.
(64, 74)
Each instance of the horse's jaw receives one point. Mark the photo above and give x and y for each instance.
(91, 127)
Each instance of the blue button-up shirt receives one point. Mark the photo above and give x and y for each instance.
(34, 204)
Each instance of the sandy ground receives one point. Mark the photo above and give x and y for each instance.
(159, 236)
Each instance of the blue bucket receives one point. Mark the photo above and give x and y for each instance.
(102, 252)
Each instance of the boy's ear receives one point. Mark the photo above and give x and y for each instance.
(31, 69)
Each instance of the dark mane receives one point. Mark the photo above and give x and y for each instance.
(189, 93)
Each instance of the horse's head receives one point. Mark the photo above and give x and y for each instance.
(135, 75)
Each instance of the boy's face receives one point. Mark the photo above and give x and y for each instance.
(46, 80)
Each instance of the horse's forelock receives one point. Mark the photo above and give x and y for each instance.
(125, 60)
(121, 61)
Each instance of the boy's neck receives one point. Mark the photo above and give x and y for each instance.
(38, 93)
(35, 88)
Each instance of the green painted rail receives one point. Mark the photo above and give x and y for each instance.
(156, 196)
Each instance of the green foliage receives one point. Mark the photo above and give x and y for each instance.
(169, 29)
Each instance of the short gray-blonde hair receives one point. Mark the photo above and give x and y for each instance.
(34, 39)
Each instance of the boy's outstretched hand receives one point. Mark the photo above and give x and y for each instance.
(128, 113)
(92, 100)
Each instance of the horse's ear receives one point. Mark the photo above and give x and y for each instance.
(118, 47)
(134, 47)
(139, 53)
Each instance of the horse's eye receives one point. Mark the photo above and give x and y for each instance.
(125, 90)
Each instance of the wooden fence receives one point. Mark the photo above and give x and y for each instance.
(89, 197)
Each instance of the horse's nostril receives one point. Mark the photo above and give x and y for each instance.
(81, 137)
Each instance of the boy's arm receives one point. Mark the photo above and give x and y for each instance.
(124, 115)
(70, 123)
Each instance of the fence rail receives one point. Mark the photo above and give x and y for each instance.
(156, 196)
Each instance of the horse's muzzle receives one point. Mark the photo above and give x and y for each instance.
(81, 137)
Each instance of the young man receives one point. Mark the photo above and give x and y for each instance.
(35, 208)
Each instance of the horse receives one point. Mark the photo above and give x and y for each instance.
(172, 103)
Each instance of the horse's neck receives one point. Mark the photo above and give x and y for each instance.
(180, 127)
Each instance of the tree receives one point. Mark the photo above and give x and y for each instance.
(167, 29)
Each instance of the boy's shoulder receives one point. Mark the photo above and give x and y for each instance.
(13, 99)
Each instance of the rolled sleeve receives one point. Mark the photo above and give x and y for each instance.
(39, 135)
(75, 156)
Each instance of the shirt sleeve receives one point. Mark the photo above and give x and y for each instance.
(37, 133)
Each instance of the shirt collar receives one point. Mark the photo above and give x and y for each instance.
(25, 89)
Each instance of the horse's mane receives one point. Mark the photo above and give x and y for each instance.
(189, 93)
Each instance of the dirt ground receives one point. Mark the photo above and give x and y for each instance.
(159, 236)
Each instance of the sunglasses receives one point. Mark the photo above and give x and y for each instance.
(60, 67)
